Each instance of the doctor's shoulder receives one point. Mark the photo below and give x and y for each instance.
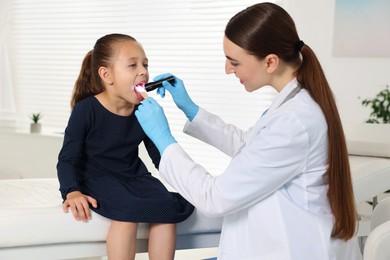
(305, 109)
(282, 122)
(292, 119)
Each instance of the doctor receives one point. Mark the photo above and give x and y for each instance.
(287, 192)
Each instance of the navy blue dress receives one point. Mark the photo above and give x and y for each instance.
(99, 158)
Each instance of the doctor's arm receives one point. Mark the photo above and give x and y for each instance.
(259, 169)
(264, 165)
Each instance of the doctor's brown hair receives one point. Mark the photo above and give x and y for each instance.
(266, 28)
(89, 82)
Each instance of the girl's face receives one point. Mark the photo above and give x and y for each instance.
(251, 71)
(129, 69)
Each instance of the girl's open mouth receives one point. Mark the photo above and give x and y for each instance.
(140, 91)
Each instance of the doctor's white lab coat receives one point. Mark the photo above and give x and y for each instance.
(272, 195)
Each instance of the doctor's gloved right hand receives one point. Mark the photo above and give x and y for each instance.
(179, 95)
(153, 121)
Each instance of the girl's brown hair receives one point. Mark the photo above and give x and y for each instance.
(89, 82)
(266, 28)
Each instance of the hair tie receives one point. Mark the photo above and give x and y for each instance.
(299, 45)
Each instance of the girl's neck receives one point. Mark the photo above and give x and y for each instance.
(115, 104)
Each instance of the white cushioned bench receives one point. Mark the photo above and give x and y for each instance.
(369, 150)
(33, 225)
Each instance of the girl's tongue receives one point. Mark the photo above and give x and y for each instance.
(140, 91)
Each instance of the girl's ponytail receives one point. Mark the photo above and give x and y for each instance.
(86, 84)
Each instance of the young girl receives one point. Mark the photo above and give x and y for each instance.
(99, 164)
(287, 192)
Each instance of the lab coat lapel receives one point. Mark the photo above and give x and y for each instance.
(283, 95)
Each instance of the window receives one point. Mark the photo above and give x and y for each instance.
(50, 38)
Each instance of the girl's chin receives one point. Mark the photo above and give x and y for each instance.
(249, 88)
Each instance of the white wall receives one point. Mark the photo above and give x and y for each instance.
(24, 155)
(350, 78)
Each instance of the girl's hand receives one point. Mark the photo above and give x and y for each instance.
(79, 205)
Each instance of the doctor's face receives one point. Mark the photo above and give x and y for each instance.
(250, 70)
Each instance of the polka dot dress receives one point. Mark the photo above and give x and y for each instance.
(99, 157)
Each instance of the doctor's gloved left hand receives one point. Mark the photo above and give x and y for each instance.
(153, 121)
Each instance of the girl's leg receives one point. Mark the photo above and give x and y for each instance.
(162, 241)
(121, 240)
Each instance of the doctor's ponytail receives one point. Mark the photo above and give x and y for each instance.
(340, 194)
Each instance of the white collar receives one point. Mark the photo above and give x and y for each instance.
(283, 94)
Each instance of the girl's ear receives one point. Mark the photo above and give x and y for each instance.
(272, 62)
(105, 75)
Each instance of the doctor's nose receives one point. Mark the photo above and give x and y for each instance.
(228, 67)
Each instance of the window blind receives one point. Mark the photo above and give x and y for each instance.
(50, 39)
(183, 37)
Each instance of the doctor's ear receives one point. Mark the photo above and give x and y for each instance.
(272, 62)
(105, 75)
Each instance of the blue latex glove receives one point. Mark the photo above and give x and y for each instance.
(153, 121)
(179, 95)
